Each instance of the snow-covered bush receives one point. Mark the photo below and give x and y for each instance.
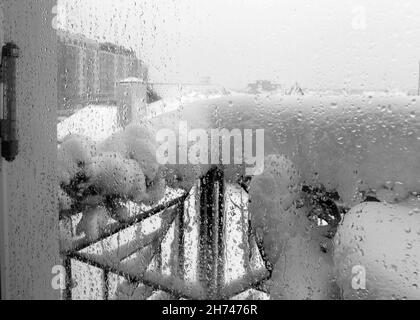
(111, 174)
(73, 153)
(296, 246)
(272, 210)
(99, 178)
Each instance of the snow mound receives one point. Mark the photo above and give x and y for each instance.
(114, 175)
(103, 177)
(352, 144)
(94, 122)
(380, 244)
(271, 200)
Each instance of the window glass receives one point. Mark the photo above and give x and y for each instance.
(239, 149)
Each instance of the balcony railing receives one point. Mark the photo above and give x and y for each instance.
(210, 284)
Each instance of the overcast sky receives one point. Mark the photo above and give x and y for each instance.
(371, 44)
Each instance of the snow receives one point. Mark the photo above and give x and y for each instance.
(131, 80)
(291, 241)
(174, 103)
(135, 142)
(114, 175)
(355, 145)
(73, 151)
(346, 143)
(272, 197)
(303, 272)
(384, 240)
(94, 122)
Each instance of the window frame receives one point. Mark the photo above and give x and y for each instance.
(29, 228)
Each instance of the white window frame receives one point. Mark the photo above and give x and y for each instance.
(29, 246)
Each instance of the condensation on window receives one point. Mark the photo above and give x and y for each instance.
(238, 149)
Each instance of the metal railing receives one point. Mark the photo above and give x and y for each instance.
(210, 285)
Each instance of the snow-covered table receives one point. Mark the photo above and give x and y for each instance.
(346, 143)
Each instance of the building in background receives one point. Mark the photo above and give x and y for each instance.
(261, 86)
(89, 71)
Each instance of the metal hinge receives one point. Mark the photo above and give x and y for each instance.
(8, 128)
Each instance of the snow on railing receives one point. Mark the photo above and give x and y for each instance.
(207, 274)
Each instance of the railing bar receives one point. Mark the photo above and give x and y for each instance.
(203, 236)
(260, 287)
(150, 238)
(82, 257)
(106, 284)
(181, 241)
(267, 263)
(250, 237)
(178, 287)
(132, 278)
(158, 256)
(220, 235)
(156, 252)
(214, 234)
(211, 228)
(69, 281)
(148, 241)
(249, 281)
(246, 235)
(118, 227)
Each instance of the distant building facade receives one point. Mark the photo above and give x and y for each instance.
(261, 86)
(88, 71)
(266, 86)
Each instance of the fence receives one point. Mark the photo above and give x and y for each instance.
(211, 238)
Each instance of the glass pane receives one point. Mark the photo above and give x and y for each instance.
(239, 149)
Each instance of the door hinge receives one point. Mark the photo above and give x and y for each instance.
(8, 126)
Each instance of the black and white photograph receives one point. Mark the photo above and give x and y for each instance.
(231, 152)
